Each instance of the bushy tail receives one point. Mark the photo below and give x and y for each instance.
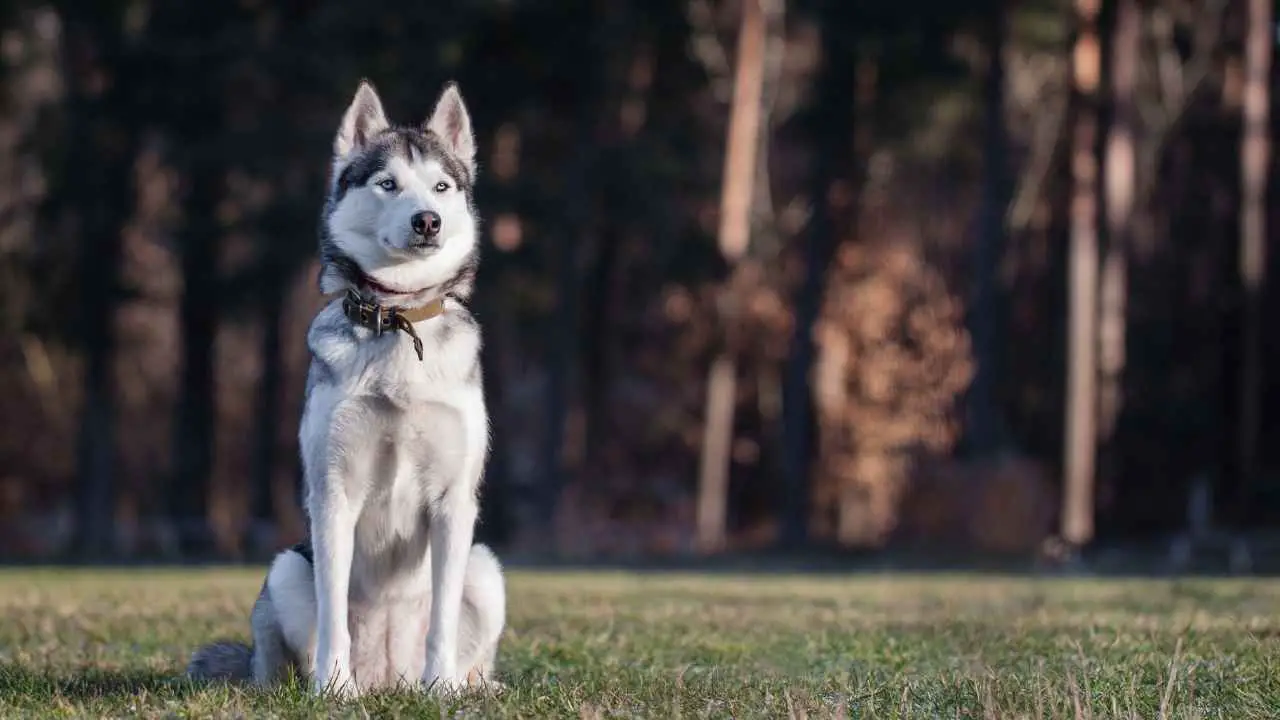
(221, 661)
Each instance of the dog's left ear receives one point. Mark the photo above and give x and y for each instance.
(451, 123)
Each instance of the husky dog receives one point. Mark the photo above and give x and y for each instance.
(394, 435)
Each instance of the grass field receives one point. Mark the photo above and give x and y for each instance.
(113, 643)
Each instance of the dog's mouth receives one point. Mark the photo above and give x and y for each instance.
(419, 244)
(415, 248)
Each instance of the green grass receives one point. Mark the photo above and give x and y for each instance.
(96, 644)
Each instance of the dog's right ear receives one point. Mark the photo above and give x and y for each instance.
(363, 120)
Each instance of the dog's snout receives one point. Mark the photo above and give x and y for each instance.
(426, 224)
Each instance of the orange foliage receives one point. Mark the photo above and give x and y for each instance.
(893, 356)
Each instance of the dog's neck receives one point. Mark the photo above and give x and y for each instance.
(368, 313)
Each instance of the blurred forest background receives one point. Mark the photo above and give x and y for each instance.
(948, 279)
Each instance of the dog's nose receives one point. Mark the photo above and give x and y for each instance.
(426, 223)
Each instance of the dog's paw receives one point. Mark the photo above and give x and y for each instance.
(444, 683)
(489, 686)
(337, 684)
(337, 690)
(444, 686)
(478, 682)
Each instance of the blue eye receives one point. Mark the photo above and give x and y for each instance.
(441, 186)
(389, 185)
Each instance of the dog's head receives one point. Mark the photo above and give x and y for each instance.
(399, 221)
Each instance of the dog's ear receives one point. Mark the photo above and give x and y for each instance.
(451, 123)
(363, 120)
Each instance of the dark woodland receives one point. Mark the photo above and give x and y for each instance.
(943, 281)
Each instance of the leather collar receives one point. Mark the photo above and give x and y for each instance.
(381, 318)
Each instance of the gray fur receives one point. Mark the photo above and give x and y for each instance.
(224, 660)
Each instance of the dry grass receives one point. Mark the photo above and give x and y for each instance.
(98, 644)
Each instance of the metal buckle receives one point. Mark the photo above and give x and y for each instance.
(366, 314)
(379, 319)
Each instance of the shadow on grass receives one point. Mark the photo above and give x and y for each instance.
(27, 689)
(88, 683)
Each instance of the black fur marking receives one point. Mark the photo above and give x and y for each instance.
(333, 259)
(426, 144)
(461, 173)
(404, 142)
(462, 283)
(357, 173)
(304, 549)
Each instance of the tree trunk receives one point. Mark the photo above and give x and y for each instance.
(1120, 187)
(100, 195)
(564, 327)
(262, 519)
(626, 47)
(984, 423)
(734, 234)
(832, 119)
(194, 422)
(565, 323)
(1080, 435)
(1254, 158)
(496, 519)
(195, 121)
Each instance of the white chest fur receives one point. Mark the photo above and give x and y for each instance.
(393, 434)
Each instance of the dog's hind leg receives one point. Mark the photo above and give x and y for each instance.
(284, 620)
(484, 612)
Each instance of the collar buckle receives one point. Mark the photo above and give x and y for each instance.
(380, 319)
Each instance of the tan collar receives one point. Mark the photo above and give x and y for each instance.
(379, 318)
(424, 312)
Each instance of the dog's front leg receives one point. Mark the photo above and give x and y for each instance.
(452, 527)
(333, 537)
